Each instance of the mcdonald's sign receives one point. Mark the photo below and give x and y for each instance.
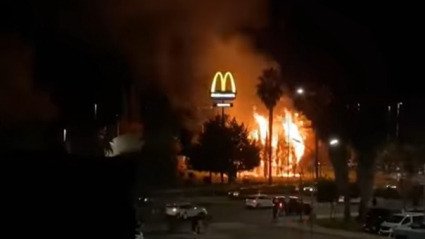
(223, 93)
(223, 105)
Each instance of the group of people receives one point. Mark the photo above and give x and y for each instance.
(196, 224)
(277, 208)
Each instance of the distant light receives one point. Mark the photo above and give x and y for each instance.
(64, 135)
(300, 91)
(334, 142)
(223, 105)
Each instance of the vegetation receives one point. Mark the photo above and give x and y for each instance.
(269, 90)
(406, 161)
(224, 148)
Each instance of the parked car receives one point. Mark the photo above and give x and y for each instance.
(375, 217)
(405, 219)
(258, 201)
(185, 210)
(296, 205)
(233, 194)
(409, 232)
(144, 201)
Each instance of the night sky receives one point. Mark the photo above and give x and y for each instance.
(365, 51)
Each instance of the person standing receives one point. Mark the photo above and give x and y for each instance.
(333, 202)
(195, 224)
(275, 208)
(374, 202)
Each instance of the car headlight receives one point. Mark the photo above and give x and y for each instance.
(174, 210)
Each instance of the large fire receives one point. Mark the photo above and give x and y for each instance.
(288, 144)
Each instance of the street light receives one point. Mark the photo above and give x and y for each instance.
(333, 142)
(300, 91)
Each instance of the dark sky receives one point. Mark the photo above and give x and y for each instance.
(365, 51)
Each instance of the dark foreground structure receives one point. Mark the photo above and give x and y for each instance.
(54, 195)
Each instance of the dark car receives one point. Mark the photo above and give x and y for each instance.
(144, 201)
(296, 205)
(293, 205)
(375, 217)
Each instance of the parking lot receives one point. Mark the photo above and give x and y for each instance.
(230, 219)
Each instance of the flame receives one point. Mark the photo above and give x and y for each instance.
(292, 133)
(286, 130)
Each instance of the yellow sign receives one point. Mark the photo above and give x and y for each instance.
(223, 93)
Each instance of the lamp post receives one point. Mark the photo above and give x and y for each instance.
(399, 104)
(301, 191)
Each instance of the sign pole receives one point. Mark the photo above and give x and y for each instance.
(222, 116)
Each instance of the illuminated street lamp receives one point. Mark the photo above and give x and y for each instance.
(300, 91)
(333, 142)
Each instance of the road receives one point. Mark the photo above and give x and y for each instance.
(229, 230)
(232, 220)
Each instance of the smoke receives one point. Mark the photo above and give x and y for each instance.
(19, 100)
(180, 44)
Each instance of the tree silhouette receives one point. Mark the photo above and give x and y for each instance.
(405, 159)
(269, 89)
(224, 149)
(162, 124)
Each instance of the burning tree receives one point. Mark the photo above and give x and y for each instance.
(269, 89)
(288, 143)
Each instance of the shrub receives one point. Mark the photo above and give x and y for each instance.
(388, 193)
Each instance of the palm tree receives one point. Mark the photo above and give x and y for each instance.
(269, 89)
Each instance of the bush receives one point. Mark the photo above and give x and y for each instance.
(387, 193)
(207, 180)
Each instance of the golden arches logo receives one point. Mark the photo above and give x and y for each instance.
(223, 93)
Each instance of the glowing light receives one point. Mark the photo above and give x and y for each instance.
(223, 93)
(223, 105)
(334, 142)
(300, 91)
(64, 135)
(295, 137)
(223, 79)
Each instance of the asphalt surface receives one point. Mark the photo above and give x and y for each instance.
(231, 220)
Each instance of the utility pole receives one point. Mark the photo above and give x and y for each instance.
(95, 111)
(316, 154)
(223, 121)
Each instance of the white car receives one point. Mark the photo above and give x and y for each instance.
(184, 210)
(258, 201)
(400, 220)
